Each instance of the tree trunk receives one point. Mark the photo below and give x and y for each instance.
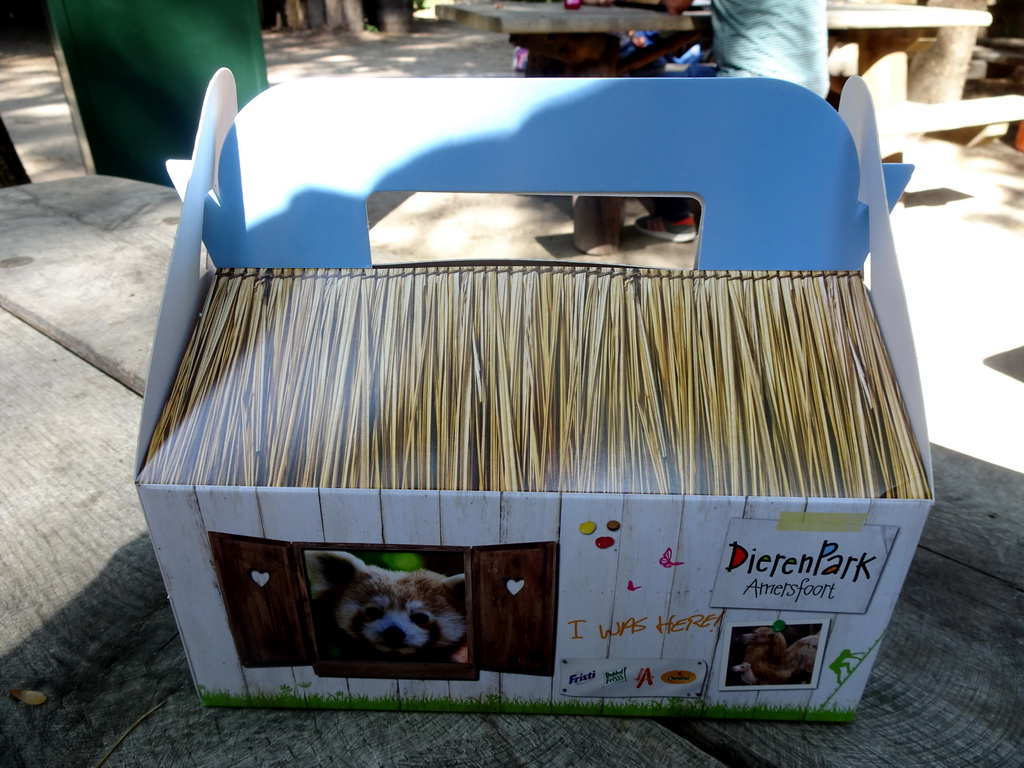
(938, 73)
(344, 14)
(355, 15)
(316, 15)
(12, 172)
(295, 16)
(323, 14)
(395, 16)
(334, 13)
(272, 14)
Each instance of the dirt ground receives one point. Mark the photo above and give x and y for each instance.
(37, 116)
(434, 49)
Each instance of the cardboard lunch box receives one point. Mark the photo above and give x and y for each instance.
(535, 487)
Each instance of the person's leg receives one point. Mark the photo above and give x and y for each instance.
(672, 220)
(672, 208)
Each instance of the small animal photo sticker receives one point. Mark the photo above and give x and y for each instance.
(773, 655)
(388, 606)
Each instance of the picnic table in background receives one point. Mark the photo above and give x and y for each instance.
(877, 39)
(583, 42)
(579, 43)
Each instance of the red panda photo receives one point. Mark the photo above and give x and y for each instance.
(365, 612)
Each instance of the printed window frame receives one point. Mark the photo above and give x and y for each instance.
(511, 607)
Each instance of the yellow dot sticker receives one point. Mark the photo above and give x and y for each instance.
(588, 527)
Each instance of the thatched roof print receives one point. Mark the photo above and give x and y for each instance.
(539, 378)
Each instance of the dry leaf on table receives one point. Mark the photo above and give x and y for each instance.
(31, 698)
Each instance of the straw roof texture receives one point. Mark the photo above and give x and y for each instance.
(539, 378)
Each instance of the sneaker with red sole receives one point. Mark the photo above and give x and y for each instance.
(677, 232)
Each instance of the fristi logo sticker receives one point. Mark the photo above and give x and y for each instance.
(835, 572)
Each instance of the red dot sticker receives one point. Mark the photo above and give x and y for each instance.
(603, 542)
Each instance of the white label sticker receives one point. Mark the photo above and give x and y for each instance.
(632, 677)
(763, 567)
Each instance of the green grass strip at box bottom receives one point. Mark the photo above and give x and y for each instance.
(287, 698)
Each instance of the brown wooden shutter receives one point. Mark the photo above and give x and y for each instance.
(514, 595)
(260, 585)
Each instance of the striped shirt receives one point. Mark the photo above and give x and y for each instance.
(784, 39)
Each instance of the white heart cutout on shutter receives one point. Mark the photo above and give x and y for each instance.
(514, 585)
(260, 577)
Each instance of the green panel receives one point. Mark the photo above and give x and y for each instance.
(139, 68)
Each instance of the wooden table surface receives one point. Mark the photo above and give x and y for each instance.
(570, 42)
(524, 18)
(84, 616)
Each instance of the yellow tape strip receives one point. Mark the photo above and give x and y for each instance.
(825, 522)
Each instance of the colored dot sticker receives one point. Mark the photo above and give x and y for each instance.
(779, 626)
(614, 525)
(587, 528)
(603, 542)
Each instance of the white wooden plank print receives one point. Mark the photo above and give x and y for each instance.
(290, 514)
(691, 628)
(229, 509)
(527, 517)
(355, 517)
(755, 508)
(237, 511)
(855, 639)
(587, 574)
(351, 516)
(294, 514)
(183, 551)
(414, 517)
(650, 525)
(822, 519)
(673, 547)
(467, 520)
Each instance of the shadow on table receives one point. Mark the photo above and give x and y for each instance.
(1010, 363)
(112, 653)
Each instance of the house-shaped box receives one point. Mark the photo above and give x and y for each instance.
(532, 486)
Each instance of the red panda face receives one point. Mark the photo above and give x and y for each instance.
(402, 614)
(399, 615)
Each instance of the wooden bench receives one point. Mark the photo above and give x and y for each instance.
(969, 122)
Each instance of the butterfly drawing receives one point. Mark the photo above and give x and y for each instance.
(666, 559)
(631, 587)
